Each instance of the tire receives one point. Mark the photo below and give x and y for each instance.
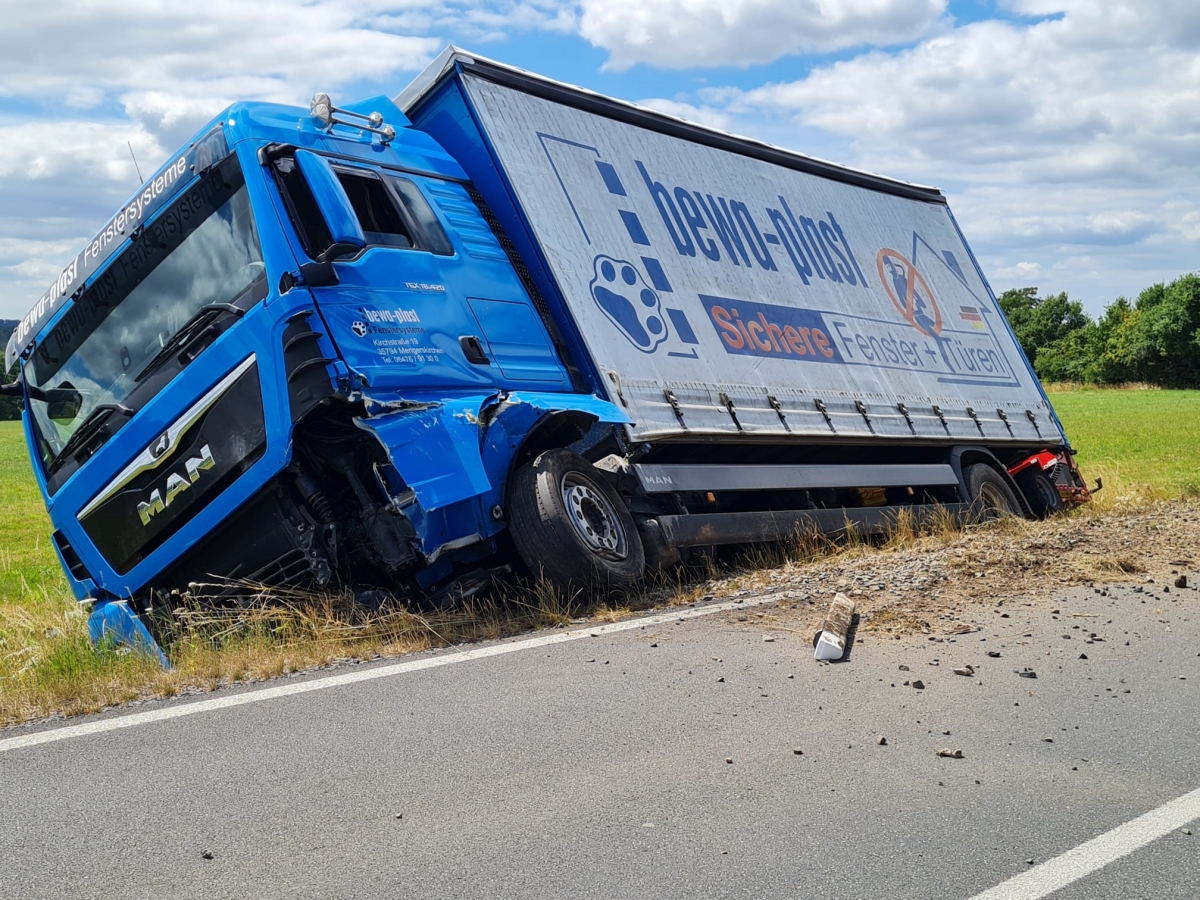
(570, 525)
(991, 497)
(1043, 497)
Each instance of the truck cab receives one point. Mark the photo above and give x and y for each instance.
(299, 352)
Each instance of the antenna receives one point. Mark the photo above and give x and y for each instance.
(135, 165)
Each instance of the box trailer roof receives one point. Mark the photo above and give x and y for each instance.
(453, 58)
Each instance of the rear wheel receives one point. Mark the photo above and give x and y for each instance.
(570, 525)
(1040, 491)
(991, 497)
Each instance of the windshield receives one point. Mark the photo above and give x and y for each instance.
(202, 249)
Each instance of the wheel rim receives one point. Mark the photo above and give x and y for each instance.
(593, 517)
(994, 502)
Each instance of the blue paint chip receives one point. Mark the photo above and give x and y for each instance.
(612, 180)
(683, 327)
(657, 276)
(633, 225)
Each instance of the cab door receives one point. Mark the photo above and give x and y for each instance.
(413, 309)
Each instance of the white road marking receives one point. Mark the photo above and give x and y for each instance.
(100, 726)
(1057, 873)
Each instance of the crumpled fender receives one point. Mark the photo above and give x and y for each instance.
(435, 449)
(439, 448)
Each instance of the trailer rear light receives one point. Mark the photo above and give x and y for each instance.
(73, 563)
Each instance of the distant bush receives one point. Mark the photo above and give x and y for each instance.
(1154, 340)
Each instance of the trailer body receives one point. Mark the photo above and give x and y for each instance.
(711, 267)
(504, 321)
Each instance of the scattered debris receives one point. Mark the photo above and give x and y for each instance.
(965, 670)
(798, 751)
(729, 760)
(1083, 656)
(881, 741)
(919, 684)
(1181, 581)
(903, 668)
(994, 654)
(1026, 672)
(963, 629)
(831, 641)
(206, 854)
(950, 754)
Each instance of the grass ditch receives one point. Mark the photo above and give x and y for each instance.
(1141, 442)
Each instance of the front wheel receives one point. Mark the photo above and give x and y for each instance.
(570, 525)
(991, 497)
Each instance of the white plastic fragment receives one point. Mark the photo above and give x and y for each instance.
(831, 641)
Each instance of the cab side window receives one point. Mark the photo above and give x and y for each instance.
(302, 207)
(377, 214)
(434, 237)
(391, 210)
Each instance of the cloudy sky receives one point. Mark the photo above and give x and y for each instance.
(1065, 132)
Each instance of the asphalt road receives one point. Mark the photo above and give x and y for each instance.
(657, 761)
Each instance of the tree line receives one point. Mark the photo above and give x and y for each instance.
(1155, 339)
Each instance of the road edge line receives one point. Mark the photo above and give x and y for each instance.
(277, 691)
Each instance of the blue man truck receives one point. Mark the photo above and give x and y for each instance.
(402, 345)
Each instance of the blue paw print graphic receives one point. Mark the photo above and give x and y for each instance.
(619, 289)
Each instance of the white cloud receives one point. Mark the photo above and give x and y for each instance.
(1054, 138)
(1029, 272)
(701, 115)
(698, 33)
(31, 151)
(170, 67)
(173, 65)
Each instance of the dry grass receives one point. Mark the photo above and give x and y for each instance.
(48, 666)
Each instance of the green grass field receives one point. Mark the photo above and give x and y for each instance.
(29, 570)
(1143, 443)
(1135, 439)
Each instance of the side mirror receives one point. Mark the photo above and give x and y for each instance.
(335, 206)
(63, 404)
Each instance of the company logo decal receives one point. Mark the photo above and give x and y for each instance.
(360, 328)
(629, 302)
(176, 485)
(909, 292)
